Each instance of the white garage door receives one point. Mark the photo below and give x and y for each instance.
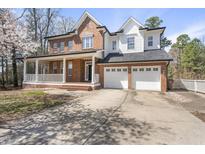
(116, 77)
(146, 78)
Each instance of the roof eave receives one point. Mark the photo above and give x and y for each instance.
(157, 60)
(153, 29)
(61, 35)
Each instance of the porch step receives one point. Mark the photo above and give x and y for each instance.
(66, 86)
(73, 87)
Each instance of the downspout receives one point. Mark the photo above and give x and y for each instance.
(167, 74)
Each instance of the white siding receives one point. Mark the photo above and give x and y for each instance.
(106, 44)
(141, 39)
(131, 30)
(156, 40)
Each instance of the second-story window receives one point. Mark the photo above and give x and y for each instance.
(55, 47)
(87, 42)
(70, 44)
(150, 41)
(62, 47)
(114, 45)
(130, 43)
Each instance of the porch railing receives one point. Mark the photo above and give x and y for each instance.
(44, 78)
(50, 77)
(30, 78)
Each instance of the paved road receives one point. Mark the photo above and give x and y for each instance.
(109, 117)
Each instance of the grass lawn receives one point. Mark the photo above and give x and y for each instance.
(15, 104)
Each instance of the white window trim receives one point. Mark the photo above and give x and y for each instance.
(87, 36)
(70, 62)
(127, 42)
(152, 40)
(114, 49)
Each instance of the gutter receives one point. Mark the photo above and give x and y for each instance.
(143, 61)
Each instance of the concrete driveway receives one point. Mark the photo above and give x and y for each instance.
(152, 118)
(108, 117)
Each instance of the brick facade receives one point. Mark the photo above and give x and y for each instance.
(87, 27)
(78, 70)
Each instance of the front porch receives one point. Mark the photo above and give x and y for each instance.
(69, 72)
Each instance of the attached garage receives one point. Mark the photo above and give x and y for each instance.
(116, 77)
(146, 78)
(145, 70)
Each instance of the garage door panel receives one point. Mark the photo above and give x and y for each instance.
(146, 80)
(116, 77)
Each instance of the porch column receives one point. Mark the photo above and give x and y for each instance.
(93, 70)
(36, 71)
(64, 70)
(24, 70)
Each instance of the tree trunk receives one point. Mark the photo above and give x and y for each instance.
(14, 65)
(35, 25)
(2, 73)
(7, 71)
(49, 17)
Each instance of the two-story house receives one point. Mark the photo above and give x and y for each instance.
(90, 57)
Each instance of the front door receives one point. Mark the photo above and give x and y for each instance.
(89, 72)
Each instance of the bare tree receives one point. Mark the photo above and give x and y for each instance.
(64, 24)
(40, 23)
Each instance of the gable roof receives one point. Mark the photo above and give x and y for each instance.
(131, 19)
(83, 17)
(77, 25)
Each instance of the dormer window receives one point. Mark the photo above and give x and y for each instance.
(150, 41)
(130, 43)
(87, 42)
(114, 45)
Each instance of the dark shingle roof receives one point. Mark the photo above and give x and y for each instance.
(150, 55)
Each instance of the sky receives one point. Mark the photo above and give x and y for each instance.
(176, 21)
